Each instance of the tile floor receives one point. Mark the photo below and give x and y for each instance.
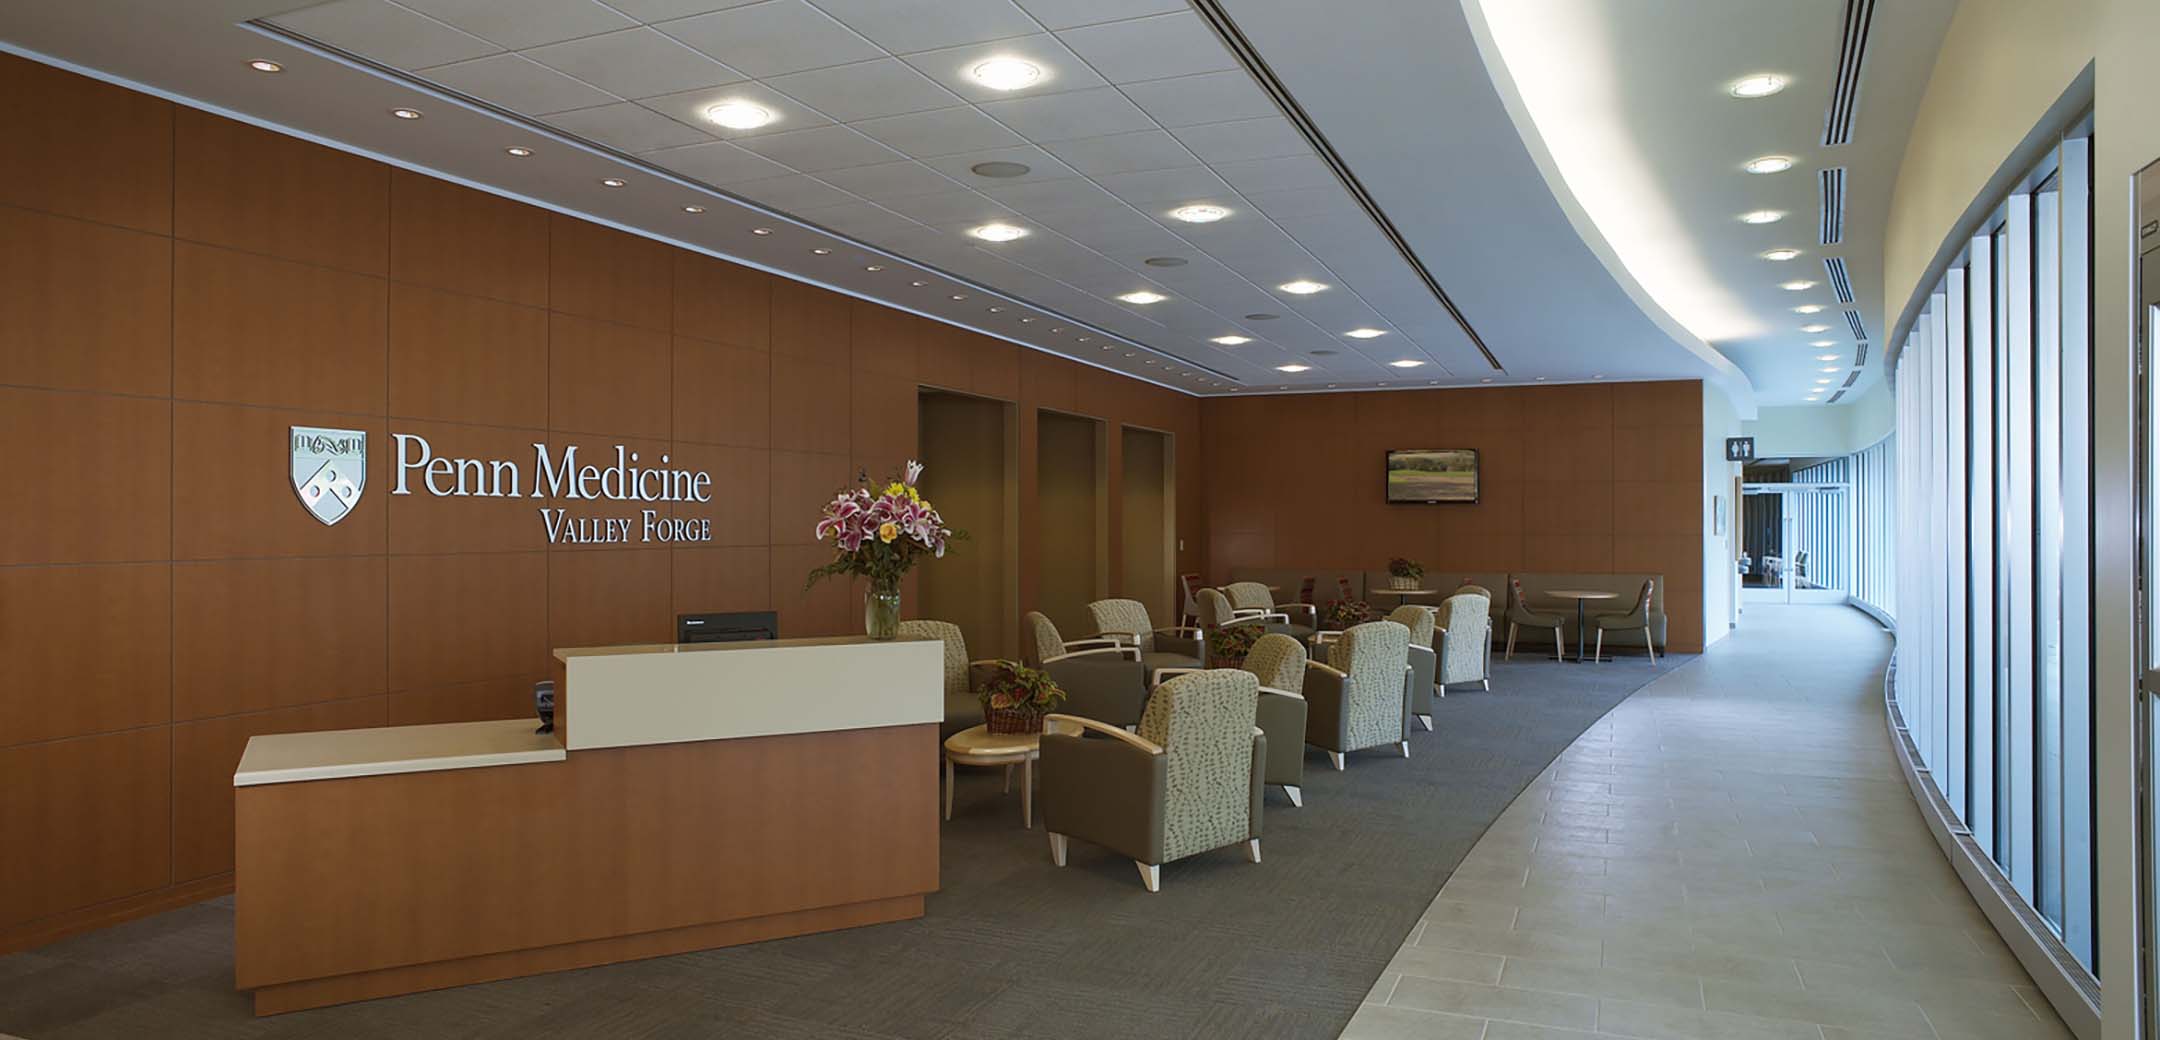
(1731, 854)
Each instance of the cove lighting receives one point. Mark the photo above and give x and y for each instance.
(1142, 296)
(1302, 287)
(1365, 333)
(1231, 341)
(1405, 363)
(739, 115)
(1768, 164)
(1762, 216)
(1293, 368)
(1780, 255)
(1006, 73)
(1756, 86)
(998, 232)
(1199, 213)
(265, 65)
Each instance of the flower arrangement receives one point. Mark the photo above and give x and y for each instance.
(1016, 697)
(1344, 614)
(1228, 646)
(880, 535)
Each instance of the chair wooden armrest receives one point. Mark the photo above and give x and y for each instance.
(1121, 651)
(1105, 729)
(1281, 693)
(989, 661)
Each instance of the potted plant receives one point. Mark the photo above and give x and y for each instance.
(1015, 698)
(1404, 573)
(879, 535)
(1344, 614)
(1228, 646)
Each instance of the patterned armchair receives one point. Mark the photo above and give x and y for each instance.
(1359, 699)
(1126, 620)
(1248, 597)
(1216, 612)
(1102, 679)
(1519, 614)
(1188, 782)
(1423, 661)
(1633, 619)
(963, 678)
(1465, 640)
(1279, 662)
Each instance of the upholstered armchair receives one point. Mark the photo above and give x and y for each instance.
(1102, 678)
(1633, 619)
(1251, 597)
(1126, 620)
(1465, 640)
(1278, 661)
(1189, 781)
(1519, 614)
(1189, 599)
(1216, 613)
(1360, 699)
(1424, 662)
(963, 678)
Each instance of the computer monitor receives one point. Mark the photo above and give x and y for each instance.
(727, 627)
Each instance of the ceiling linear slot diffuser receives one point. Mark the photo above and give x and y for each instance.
(1849, 381)
(1834, 397)
(1859, 356)
(1852, 321)
(533, 126)
(1247, 55)
(1833, 205)
(1845, 92)
(1835, 266)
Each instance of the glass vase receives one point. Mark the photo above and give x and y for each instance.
(881, 612)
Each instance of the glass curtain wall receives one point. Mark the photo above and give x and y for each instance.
(1864, 566)
(1993, 588)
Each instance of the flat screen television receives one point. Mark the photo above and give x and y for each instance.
(1426, 476)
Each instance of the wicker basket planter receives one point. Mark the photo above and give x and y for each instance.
(1013, 720)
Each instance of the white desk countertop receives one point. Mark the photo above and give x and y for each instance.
(279, 758)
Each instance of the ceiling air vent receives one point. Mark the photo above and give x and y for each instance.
(1849, 381)
(1845, 94)
(1859, 356)
(1834, 397)
(1835, 265)
(1833, 205)
(1852, 320)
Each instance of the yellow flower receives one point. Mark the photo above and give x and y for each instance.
(888, 531)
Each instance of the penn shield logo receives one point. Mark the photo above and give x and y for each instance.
(329, 470)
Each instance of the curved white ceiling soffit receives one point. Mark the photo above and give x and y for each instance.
(1645, 120)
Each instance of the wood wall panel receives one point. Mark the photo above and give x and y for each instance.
(448, 236)
(722, 394)
(259, 330)
(811, 324)
(232, 490)
(89, 476)
(422, 522)
(722, 302)
(735, 578)
(599, 272)
(85, 149)
(607, 378)
(801, 485)
(88, 649)
(84, 306)
(508, 697)
(250, 635)
(808, 405)
(247, 188)
(85, 821)
(609, 597)
(459, 358)
(884, 340)
(741, 507)
(204, 755)
(464, 617)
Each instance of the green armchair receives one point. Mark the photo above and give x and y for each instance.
(1127, 621)
(1360, 698)
(1102, 678)
(963, 678)
(1638, 618)
(1188, 782)
(1423, 661)
(1465, 641)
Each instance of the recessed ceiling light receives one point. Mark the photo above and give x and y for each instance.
(1302, 287)
(1831, 368)
(1000, 168)
(1199, 213)
(1762, 85)
(998, 232)
(1822, 343)
(1762, 216)
(1768, 164)
(995, 310)
(821, 251)
(612, 182)
(1084, 339)
(1363, 333)
(1262, 317)
(1822, 381)
(1055, 329)
(1814, 328)
(1808, 308)
(918, 283)
(1780, 255)
(406, 113)
(1293, 368)
(265, 65)
(1142, 296)
(1231, 341)
(768, 231)
(1796, 286)
(736, 114)
(1541, 379)
(959, 296)
(1024, 321)
(693, 209)
(520, 151)
(1006, 73)
(874, 268)
(1826, 357)
(1406, 363)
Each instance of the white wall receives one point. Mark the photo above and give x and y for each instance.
(1721, 593)
(1823, 431)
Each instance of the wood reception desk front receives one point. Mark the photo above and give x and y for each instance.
(691, 797)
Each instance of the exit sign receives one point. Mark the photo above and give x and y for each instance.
(1739, 449)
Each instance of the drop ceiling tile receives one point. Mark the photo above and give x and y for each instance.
(663, 10)
(1214, 97)
(952, 208)
(1266, 138)
(1160, 189)
(1155, 47)
(1280, 174)
(626, 127)
(862, 220)
(518, 84)
(1317, 206)
(1045, 198)
(895, 180)
(1124, 153)
(820, 149)
(386, 33)
(944, 131)
(792, 193)
(1062, 69)
(865, 90)
(772, 38)
(1042, 166)
(1070, 262)
(688, 107)
(528, 23)
(635, 63)
(1130, 233)
(717, 162)
(907, 26)
(1075, 114)
(1065, 14)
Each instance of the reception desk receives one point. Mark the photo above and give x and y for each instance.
(691, 797)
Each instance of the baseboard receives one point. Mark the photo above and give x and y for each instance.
(32, 934)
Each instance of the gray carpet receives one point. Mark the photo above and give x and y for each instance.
(1011, 947)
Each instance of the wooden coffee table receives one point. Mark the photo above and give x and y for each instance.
(1580, 596)
(977, 746)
